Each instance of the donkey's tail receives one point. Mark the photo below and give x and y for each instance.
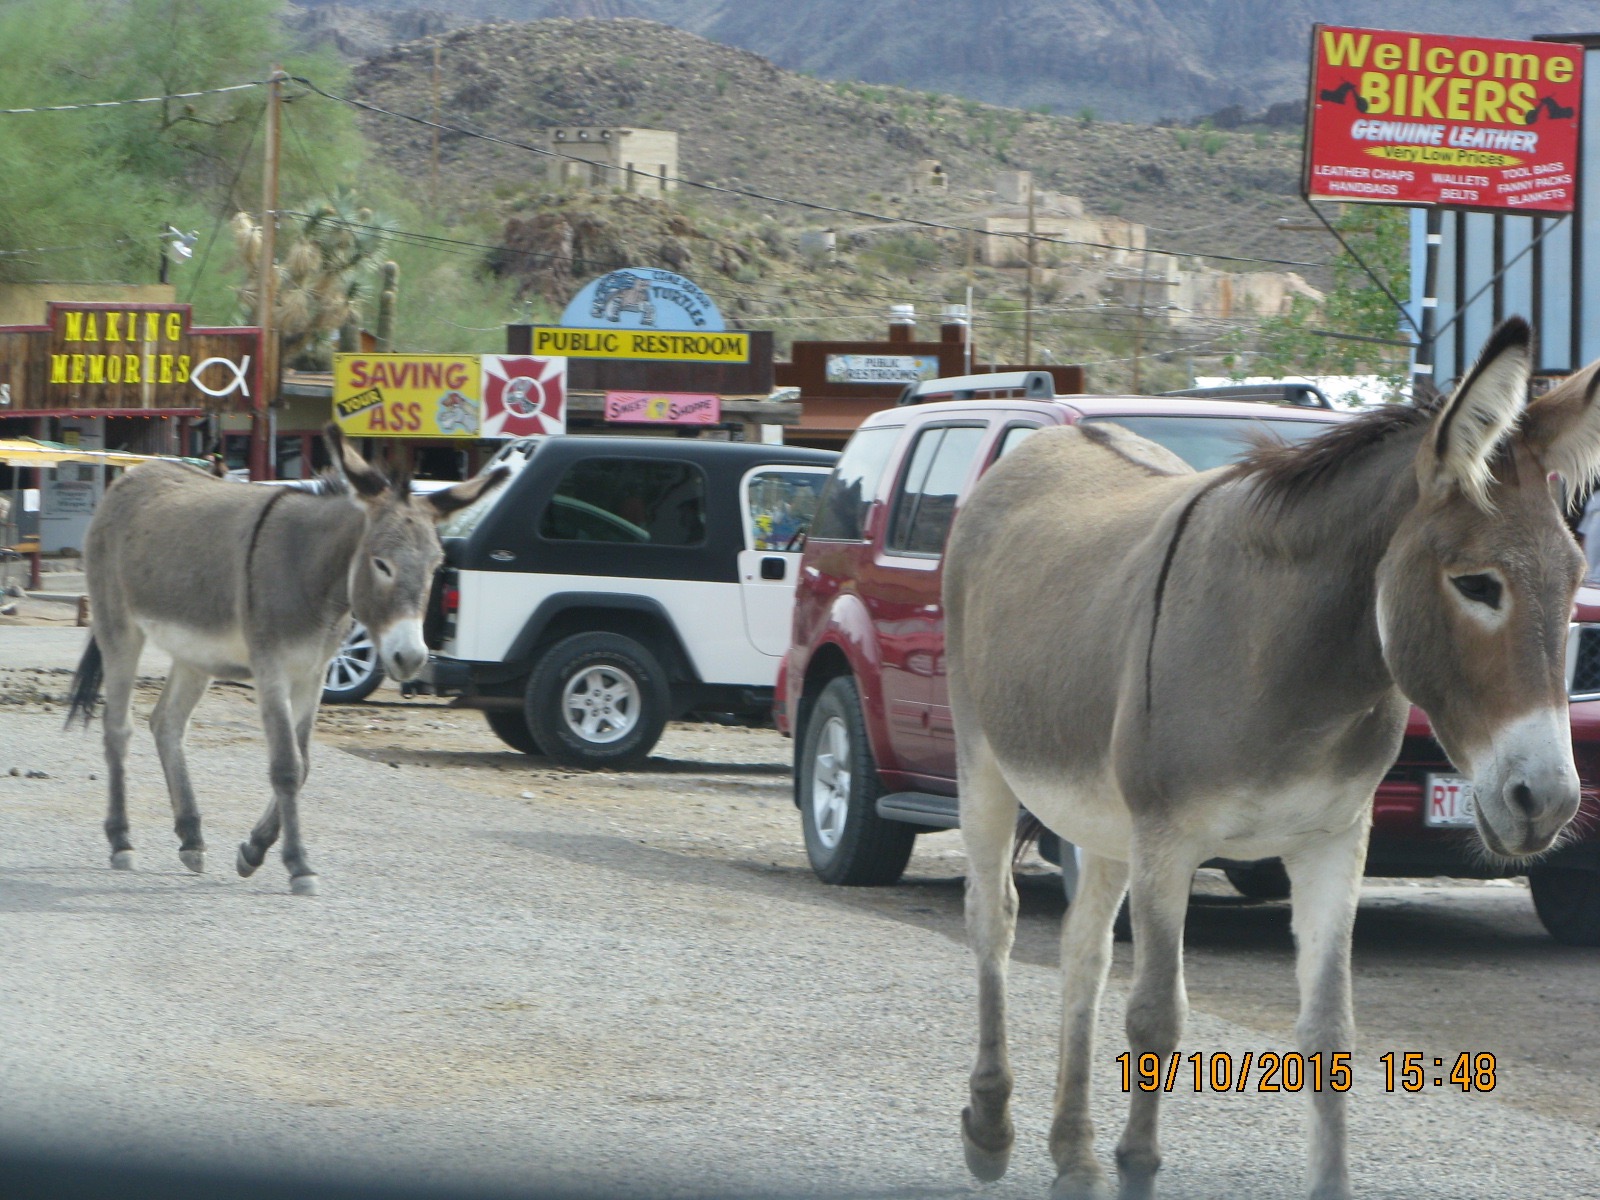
(86, 685)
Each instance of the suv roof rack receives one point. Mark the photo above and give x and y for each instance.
(1301, 395)
(1032, 385)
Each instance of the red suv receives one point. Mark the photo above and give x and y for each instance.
(863, 690)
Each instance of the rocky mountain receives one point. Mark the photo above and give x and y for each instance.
(1124, 59)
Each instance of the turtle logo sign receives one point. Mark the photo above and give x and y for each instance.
(523, 396)
(643, 298)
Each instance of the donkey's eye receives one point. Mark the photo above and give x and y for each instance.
(1484, 589)
(384, 568)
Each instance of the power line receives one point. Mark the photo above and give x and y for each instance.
(810, 205)
(44, 108)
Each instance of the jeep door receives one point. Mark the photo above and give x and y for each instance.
(776, 505)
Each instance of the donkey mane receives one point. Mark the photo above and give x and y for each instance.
(1285, 472)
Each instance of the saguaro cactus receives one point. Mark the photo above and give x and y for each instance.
(386, 301)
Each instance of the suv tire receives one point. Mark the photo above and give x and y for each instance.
(597, 700)
(1266, 880)
(510, 725)
(847, 841)
(1567, 899)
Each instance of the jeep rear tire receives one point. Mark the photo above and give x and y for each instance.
(597, 700)
(1567, 899)
(510, 725)
(847, 842)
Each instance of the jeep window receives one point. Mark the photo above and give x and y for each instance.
(781, 507)
(940, 464)
(636, 500)
(850, 490)
(1206, 442)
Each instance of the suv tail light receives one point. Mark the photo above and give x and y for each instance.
(444, 602)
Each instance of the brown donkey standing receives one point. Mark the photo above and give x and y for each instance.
(239, 582)
(1167, 667)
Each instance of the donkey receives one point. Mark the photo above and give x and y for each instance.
(239, 582)
(1167, 667)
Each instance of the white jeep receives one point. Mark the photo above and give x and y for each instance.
(616, 583)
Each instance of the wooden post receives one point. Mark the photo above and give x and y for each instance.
(1138, 336)
(1027, 291)
(433, 171)
(267, 290)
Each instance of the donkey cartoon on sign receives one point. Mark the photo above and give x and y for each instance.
(240, 582)
(1167, 667)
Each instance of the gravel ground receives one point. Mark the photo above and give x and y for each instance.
(519, 977)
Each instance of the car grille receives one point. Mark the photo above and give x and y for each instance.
(1583, 662)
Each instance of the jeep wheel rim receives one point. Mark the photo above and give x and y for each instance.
(355, 660)
(830, 783)
(601, 704)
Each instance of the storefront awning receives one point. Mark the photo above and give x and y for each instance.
(30, 452)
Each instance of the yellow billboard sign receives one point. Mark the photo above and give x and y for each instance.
(408, 395)
(555, 342)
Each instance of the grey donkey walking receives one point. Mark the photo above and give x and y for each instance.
(240, 582)
(1167, 667)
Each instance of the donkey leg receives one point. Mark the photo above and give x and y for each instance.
(1085, 962)
(120, 657)
(1158, 1004)
(170, 724)
(253, 851)
(1325, 884)
(275, 698)
(989, 829)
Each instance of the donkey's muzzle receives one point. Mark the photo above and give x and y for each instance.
(403, 651)
(1528, 788)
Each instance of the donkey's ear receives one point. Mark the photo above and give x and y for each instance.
(1479, 414)
(454, 499)
(1562, 428)
(367, 481)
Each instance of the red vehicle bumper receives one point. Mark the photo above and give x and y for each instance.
(1403, 844)
(780, 698)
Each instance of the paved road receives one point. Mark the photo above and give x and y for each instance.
(518, 977)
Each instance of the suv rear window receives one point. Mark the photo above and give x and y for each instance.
(630, 500)
(941, 461)
(848, 494)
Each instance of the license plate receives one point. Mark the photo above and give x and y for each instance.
(1448, 801)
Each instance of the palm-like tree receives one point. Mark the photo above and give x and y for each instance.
(323, 272)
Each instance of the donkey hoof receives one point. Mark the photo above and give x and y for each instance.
(122, 860)
(303, 885)
(242, 863)
(195, 860)
(1081, 1183)
(987, 1163)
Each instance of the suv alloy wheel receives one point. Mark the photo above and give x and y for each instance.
(354, 672)
(597, 700)
(847, 841)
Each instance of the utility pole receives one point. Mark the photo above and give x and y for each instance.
(1138, 336)
(267, 289)
(433, 172)
(1027, 291)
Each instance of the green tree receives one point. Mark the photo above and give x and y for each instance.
(1288, 344)
(106, 182)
